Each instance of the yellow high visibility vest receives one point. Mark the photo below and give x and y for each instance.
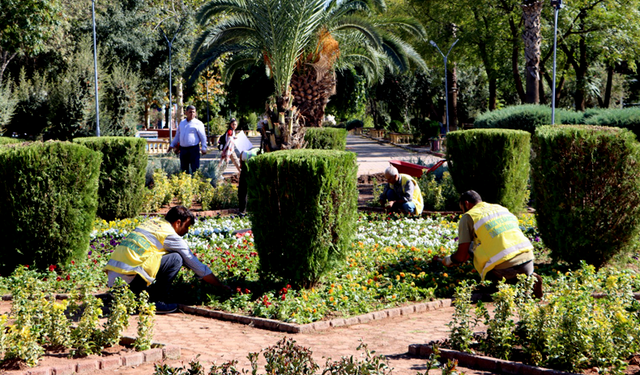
(417, 194)
(499, 237)
(142, 250)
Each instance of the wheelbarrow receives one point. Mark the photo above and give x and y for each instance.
(415, 170)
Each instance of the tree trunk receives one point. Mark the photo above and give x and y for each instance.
(607, 90)
(515, 54)
(5, 59)
(180, 95)
(532, 40)
(311, 92)
(493, 92)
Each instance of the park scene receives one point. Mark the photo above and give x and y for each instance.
(319, 187)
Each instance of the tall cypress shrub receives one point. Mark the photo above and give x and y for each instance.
(48, 200)
(493, 162)
(586, 181)
(304, 209)
(326, 138)
(122, 175)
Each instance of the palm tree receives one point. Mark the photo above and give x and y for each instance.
(301, 43)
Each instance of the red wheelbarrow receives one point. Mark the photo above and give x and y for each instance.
(414, 170)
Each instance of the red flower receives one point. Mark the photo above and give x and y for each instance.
(73, 263)
(288, 286)
(58, 278)
(246, 291)
(239, 290)
(284, 296)
(68, 277)
(52, 267)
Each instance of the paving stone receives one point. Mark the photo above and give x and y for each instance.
(406, 310)
(39, 371)
(171, 352)
(132, 359)
(153, 355)
(64, 369)
(87, 366)
(393, 312)
(110, 363)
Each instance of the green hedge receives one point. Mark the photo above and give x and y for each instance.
(493, 162)
(122, 175)
(48, 199)
(586, 181)
(525, 117)
(326, 138)
(628, 118)
(304, 209)
(9, 141)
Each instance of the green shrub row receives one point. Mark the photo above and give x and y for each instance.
(8, 141)
(586, 182)
(493, 162)
(122, 175)
(326, 138)
(49, 200)
(304, 208)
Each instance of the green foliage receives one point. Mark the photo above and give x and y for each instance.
(49, 192)
(585, 182)
(461, 324)
(122, 171)
(120, 102)
(122, 305)
(146, 321)
(160, 194)
(8, 101)
(438, 195)
(326, 138)
(303, 204)
(628, 118)
(424, 130)
(34, 103)
(493, 162)
(73, 97)
(86, 336)
(288, 358)
(8, 141)
(219, 197)
(185, 188)
(525, 117)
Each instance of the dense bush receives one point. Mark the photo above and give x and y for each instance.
(586, 183)
(493, 162)
(170, 165)
(354, 124)
(120, 102)
(304, 208)
(628, 118)
(326, 138)
(122, 175)
(424, 129)
(438, 195)
(8, 102)
(33, 106)
(8, 140)
(49, 200)
(525, 117)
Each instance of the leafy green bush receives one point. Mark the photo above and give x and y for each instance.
(8, 141)
(49, 200)
(628, 118)
(326, 138)
(8, 103)
(170, 165)
(120, 102)
(33, 107)
(122, 173)
(438, 195)
(525, 117)
(424, 129)
(586, 184)
(304, 208)
(353, 124)
(493, 162)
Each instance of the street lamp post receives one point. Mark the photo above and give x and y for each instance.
(557, 5)
(170, 43)
(446, 86)
(95, 65)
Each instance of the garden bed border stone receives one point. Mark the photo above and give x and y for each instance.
(276, 325)
(483, 363)
(157, 353)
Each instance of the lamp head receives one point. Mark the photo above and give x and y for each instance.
(433, 43)
(557, 4)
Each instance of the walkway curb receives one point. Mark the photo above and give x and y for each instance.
(483, 363)
(159, 353)
(276, 325)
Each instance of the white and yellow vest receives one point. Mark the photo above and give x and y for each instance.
(142, 250)
(417, 195)
(499, 237)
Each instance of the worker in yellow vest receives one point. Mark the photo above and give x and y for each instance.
(403, 191)
(150, 257)
(491, 235)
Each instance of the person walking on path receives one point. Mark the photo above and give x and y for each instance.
(150, 257)
(403, 191)
(191, 140)
(242, 183)
(491, 235)
(229, 148)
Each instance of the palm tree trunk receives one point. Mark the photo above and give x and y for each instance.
(311, 94)
(532, 40)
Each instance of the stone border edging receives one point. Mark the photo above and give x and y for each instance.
(276, 325)
(82, 366)
(483, 363)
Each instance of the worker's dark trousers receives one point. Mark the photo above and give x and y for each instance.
(159, 291)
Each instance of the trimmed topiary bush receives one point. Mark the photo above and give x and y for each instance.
(122, 175)
(493, 162)
(9, 141)
(48, 197)
(628, 118)
(304, 209)
(326, 138)
(586, 182)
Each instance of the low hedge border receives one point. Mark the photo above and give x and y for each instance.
(158, 353)
(276, 325)
(478, 362)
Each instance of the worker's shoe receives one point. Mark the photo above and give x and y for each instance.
(537, 287)
(165, 308)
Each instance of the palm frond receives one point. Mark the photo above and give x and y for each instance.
(360, 25)
(215, 8)
(411, 25)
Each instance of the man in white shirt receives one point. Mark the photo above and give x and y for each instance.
(192, 140)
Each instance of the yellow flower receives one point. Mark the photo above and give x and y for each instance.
(401, 274)
(331, 299)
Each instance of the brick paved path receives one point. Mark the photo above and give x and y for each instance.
(220, 341)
